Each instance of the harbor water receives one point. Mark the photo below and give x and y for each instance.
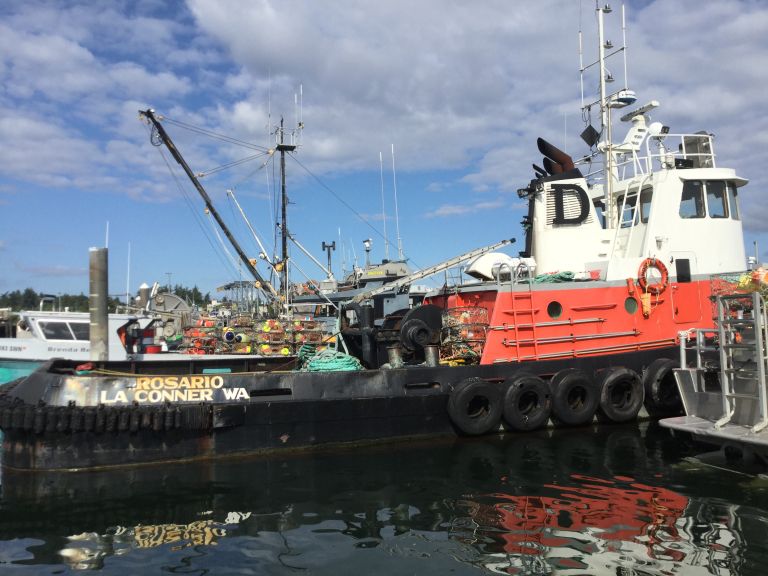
(614, 500)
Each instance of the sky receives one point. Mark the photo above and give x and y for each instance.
(460, 91)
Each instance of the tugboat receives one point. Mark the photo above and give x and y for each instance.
(620, 246)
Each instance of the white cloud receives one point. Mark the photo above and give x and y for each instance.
(470, 208)
(462, 90)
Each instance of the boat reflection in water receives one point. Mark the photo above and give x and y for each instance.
(591, 501)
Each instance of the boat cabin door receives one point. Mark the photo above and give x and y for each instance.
(685, 294)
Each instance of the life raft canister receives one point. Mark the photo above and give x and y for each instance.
(642, 276)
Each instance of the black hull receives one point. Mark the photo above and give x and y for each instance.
(44, 430)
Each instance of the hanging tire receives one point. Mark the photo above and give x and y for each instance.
(575, 397)
(621, 395)
(527, 404)
(662, 397)
(475, 406)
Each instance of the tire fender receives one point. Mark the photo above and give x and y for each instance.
(527, 403)
(575, 397)
(475, 406)
(621, 395)
(661, 395)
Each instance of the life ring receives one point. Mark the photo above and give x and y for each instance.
(662, 397)
(475, 406)
(575, 397)
(621, 395)
(527, 404)
(642, 276)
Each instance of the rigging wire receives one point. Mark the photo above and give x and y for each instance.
(272, 191)
(188, 201)
(339, 198)
(216, 135)
(346, 204)
(232, 260)
(232, 164)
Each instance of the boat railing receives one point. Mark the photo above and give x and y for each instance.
(732, 360)
(662, 152)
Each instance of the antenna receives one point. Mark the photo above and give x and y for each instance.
(581, 63)
(128, 279)
(383, 211)
(397, 214)
(106, 238)
(354, 256)
(624, 45)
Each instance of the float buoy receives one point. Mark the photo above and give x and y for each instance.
(642, 276)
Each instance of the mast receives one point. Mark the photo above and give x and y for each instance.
(283, 148)
(165, 139)
(605, 119)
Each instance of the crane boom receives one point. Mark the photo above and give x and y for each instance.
(428, 271)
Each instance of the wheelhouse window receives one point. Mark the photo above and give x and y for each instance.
(733, 203)
(600, 212)
(721, 199)
(626, 210)
(717, 200)
(692, 200)
(645, 204)
(56, 331)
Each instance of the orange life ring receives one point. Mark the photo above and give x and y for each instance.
(642, 276)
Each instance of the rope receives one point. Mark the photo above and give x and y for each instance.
(331, 361)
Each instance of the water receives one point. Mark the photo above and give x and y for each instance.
(12, 369)
(616, 501)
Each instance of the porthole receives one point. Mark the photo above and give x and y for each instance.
(555, 309)
(630, 305)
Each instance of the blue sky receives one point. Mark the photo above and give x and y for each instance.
(462, 91)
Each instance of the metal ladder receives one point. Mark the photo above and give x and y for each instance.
(742, 333)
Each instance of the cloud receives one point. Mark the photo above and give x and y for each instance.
(462, 209)
(462, 90)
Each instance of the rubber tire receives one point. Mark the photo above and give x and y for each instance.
(662, 397)
(475, 406)
(527, 404)
(621, 395)
(568, 410)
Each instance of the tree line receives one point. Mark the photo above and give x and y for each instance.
(29, 299)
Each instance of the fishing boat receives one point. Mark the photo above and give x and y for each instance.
(141, 329)
(620, 247)
(722, 379)
(41, 335)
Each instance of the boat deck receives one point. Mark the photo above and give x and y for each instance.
(729, 435)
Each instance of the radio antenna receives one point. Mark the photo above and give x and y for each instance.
(383, 210)
(397, 214)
